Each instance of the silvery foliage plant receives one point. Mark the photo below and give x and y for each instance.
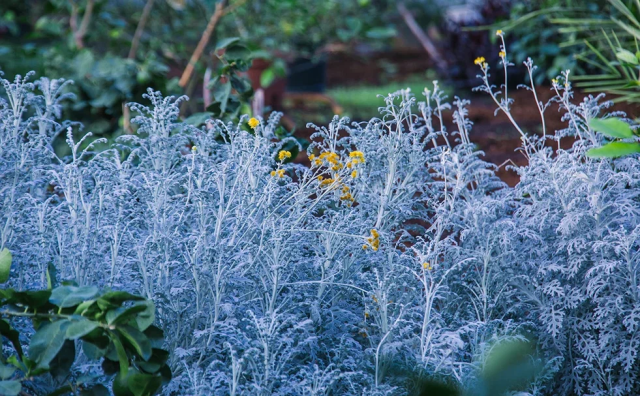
(396, 251)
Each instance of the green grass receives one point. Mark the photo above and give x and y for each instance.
(362, 102)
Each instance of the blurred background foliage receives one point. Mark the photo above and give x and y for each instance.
(350, 50)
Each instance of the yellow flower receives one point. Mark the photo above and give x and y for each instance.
(194, 148)
(312, 157)
(358, 157)
(284, 154)
(331, 157)
(554, 81)
(347, 197)
(374, 240)
(498, 32)
(427, 266)
(326, 182)
(479, 60)
(354, 174)
(503, 54)
(279, 173)
(253, 122)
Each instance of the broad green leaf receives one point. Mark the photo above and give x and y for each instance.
(123, 359)
(68, 296)
(116, 298)
(142, 384)
(198, 119)
(62, 391)
(122, 314)
(145, 318)
(626, 56)
(614, 150)
(33, 299)
(95, 390)
(47, 342)
(120, 385)
(83, 307)
(12, 335)
(155, 335)
(267, 77)
(6, 371)
(5, 265)
(158, 359)
(80, 328)
(10, 388)
(137, 340)
(92, 351)
(225, 42)
(612, 127)
(61, 364)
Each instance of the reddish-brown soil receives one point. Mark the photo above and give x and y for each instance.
(492, 131)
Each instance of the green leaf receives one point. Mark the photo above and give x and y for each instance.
(155, 335)
(5, 265)
(12, 335)
(614, 150)
(52, 274)
(237, 51)
(225, 42)
(142, 384)
(47, 342)
(95, 390)
(612, 127)
(137, 340)
(626, 56)
(267, 77)
(157, 360)
(80, 328)
(120, 385)
(116, 298)
(146, 317)
(198, 119)
(6, 371)
(121, 315)
(61, 364)
(62, 391)
(68, 296)
(123, 359)
(10, 388)
(92, 351)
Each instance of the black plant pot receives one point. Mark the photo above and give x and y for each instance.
(305, 75)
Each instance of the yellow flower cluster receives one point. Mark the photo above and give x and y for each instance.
(426, 265)
(373, 241)
(479, 60)
(498, 32)
(253, 122)
(503, 54)
(356, 157)
(346, 195)
(279, 173)
(325, 182)
(282, 155)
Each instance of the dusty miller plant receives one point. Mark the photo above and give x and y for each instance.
(397, 254)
